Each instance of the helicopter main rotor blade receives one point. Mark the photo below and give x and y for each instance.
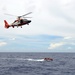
(27, 17)
(10, 14)
(27, 14)
(19, 16)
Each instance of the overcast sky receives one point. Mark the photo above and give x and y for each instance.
(52, 28)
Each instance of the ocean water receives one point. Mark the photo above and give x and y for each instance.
(34, 64)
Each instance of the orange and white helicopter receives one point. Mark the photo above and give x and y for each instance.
(21, 20)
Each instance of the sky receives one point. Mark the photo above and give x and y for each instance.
(52, 28)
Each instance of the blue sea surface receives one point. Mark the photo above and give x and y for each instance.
(34, 64)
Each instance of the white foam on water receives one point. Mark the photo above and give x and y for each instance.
(22, 59)
(35, 59)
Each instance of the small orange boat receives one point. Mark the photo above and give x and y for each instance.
(48, 59)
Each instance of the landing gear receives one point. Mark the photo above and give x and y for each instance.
(13, 26)
(27, 23)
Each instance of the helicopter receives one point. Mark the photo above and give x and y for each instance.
(21, 20)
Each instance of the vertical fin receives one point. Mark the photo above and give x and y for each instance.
(6, 24)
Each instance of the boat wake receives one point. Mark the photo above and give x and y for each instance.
(35, 59)
(22, 59)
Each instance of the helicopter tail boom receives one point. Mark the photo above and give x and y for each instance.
(6, 24)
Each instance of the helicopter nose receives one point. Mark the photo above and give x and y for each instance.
(29, 21)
